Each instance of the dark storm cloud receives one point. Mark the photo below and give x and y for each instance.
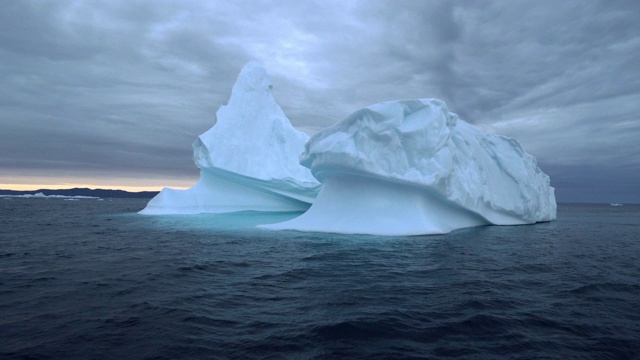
(124, 87)
(97, 86)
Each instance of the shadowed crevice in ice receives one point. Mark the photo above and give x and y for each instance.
(249, 160)
(411, 167)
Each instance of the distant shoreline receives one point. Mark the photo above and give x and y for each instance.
(100, 193)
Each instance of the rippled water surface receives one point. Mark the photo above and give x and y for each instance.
(92, 279)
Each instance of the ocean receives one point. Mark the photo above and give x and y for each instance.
(91, 279)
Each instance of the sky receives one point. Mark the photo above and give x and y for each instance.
(113, 93)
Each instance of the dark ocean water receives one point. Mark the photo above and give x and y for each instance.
(91, 279)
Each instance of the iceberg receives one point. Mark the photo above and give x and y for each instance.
(248, 160)
(412, 167)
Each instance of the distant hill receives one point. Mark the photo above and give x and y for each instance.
(102, 193)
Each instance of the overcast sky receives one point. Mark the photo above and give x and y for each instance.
(113, 93)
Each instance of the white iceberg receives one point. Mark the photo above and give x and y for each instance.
(249, 160)
(412, 167)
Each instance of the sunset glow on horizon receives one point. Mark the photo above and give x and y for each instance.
(132, 186)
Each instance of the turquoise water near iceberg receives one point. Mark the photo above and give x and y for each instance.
(92, 279)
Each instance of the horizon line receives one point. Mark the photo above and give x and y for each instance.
(35, 187)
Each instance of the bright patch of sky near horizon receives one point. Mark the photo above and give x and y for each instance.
(113, 93)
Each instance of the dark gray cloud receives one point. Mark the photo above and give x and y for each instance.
(89, 89)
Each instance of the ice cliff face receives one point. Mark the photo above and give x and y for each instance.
(412, 167)
(249, 160)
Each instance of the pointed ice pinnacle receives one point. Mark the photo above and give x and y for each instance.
(249, 160)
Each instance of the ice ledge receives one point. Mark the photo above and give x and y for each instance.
(219, 191)
(351, 203)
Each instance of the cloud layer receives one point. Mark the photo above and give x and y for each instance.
(120, 89)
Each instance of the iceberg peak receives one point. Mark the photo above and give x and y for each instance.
(252, 135)
(249, 159)
(252, 77)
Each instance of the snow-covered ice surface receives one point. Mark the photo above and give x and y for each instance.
(411, 167)
(249, 160)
